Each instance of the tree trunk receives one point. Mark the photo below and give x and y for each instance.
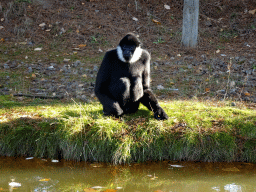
(190, 23)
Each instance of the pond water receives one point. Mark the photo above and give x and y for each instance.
(31, 174)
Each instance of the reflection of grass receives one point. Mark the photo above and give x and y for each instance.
(195, 131)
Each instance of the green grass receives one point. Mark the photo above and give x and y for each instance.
(196, 131)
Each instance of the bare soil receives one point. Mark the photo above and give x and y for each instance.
(84, 29)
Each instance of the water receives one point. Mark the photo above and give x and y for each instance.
(44, 175)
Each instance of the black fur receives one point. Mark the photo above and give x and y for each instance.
(121, 86)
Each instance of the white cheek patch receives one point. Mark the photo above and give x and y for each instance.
(136, 55)
(120, 54)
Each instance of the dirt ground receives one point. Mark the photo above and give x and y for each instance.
(82, 30)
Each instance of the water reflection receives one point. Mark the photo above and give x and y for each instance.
(34, 174)
(13, 184)
(233, 188)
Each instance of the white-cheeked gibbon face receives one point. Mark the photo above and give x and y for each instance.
(129, 54)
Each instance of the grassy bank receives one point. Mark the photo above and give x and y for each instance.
(197, 131)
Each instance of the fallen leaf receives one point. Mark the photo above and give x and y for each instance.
(77, 30)
(252, 11)
(82, 45)
(250, 164)
(97, 187)
(89, 190)
(42, 25)
(96, 165)
(33, 75)
(175, 120)
(62, 30)
(160, 87)
(66, 60)
(135, 19)
(2, 40)
(167, 7)
(14, 184)
(207, 89)
(155, 21)
(38, 49)
(232, 83)
(110, 190)
(215, 122)
(176, 165)
(247, 94)
(44, 179)
(234, 169)
(29, 158)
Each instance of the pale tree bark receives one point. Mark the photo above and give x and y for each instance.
(190, 23)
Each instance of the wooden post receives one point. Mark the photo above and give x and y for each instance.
(190, 23)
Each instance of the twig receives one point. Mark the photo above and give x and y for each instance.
(245, 80)
(229, 69)
(136, 5)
